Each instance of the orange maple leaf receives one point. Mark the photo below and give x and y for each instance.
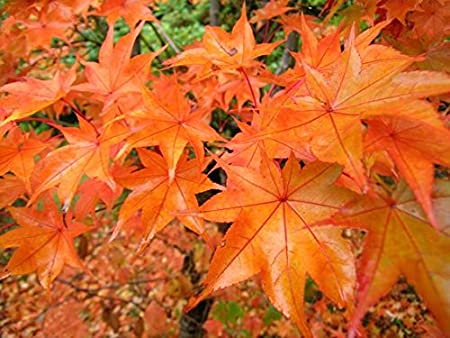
(431, 20)
(414, 147)
(270, 10)
(11, 188)
(159, 191)
(249, 149)
(170, 121)
(31, 95)
(401, 241)
(45, 243)
(90, 192)
(226, 51)
(117, 73)
(362, 83)
(399, 9)
(274, 234)
(88, 153)
(132, 11)
(51, 22)
(17, 152)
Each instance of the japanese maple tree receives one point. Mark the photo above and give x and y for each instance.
(353, 137)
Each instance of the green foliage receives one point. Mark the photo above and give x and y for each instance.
(271, 315)
(228, 313)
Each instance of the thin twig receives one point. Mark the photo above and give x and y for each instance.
(162, 35)
(94, 292)
(286, 59)
(87, 38)
(247, 79)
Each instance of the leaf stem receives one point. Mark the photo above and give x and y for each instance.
(80, 114)
(247, 79)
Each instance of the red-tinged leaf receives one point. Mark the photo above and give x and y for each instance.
(315, 52)
(214, 327)
(50, 23)
(399, 9)
(44, 241)
(170, 121)
(17, 152)
(131, 11)
(160, 192)
(292, 22)
(156, 320)
(88, 153)
(31, 95)
(65, 320)
(431, 20)
(243, 88)
(323, 53)
(400, 241)
(117, 73)
(274, 235)
(11, 188)
(270, 10)
(361, 84)
(256, 141)
(90, 193)
(441, 200)
(227, 51)
(414, 147)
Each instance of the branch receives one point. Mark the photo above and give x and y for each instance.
(214, 9)
(286, 59)
(94, 292)
(164, 37)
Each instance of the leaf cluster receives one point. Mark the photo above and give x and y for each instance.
(345, 141)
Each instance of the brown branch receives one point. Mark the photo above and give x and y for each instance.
(286, 59)
(214, 9)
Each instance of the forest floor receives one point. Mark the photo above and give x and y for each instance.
(127, 296)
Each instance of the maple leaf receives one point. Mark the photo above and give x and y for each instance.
(226, 51)
(88, 153)
(17, 7)
(90, 192)
(274, 234)
(74, 7)
(361, 83)
(117, 73)
(159, 191)
(437, 55)
(11, 188)
(31, 95)
(323, 53)
(270, 10)
(355, 14)
(293, 22)
(399, 9)
(414, 147)
(248, 149)
(45, 243)
(170, 121)
(401, 241)
(131, 11)
(64, 317)
(17, 152)
(51, 22)
(431, 20)
(243, 88)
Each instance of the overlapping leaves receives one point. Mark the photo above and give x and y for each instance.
(274, 234)
(343, 114)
